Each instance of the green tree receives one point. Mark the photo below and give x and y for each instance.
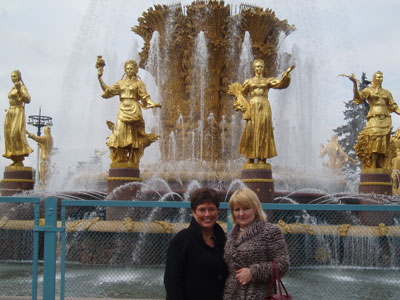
(356, 118)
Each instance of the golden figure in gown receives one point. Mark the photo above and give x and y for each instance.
(46, 147)
(16, 145)
(336, 155)
(257, 141)
(128, 138)
(395, 162)
(373, 144)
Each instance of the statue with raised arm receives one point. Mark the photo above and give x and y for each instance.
(257, 141)
(373, 144)
(128, 138)
(336, 155)
(16, 146)
(46, 147)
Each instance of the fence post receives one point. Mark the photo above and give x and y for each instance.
(50, 249)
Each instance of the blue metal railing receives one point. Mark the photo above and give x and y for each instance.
(50, 228)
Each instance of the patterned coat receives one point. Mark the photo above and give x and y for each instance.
(260, 245)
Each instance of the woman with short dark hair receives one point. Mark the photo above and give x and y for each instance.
(195, 269)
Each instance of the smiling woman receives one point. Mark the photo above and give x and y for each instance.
(195, 268)
(252, 247)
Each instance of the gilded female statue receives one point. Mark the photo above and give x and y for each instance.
(128, 138)
(257, 141)
(373, 143)
(337, 156)
(46, 147)
(16, 145)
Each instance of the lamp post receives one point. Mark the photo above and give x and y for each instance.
(39, 121)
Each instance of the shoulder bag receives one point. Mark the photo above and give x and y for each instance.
(276, 279)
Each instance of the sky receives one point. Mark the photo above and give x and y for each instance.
(55, 43)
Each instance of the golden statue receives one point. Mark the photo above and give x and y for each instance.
(395, 162)
(16, 145)
(128, 138)
(46, 147)
(373, 143)
(257, 140)
(337, 156)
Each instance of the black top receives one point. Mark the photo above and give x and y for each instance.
(195, 270)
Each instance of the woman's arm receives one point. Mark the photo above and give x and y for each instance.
(284, 81)
(357, 97)
(174, 269)
(277, 251)
(99, 76)
(22, 93)
(145, 97)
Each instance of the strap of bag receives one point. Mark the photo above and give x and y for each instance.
(275, 277)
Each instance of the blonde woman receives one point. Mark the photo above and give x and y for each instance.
(251, 247)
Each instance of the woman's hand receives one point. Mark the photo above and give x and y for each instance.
(244, 276)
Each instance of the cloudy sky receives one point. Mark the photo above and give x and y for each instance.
(55, 44)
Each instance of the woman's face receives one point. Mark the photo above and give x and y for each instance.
(378, 79)
(244, 215)
(206, 215)
(15, 77)
(258, 68)
(130, 70)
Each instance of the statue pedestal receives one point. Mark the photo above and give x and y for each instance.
(375, 182)
(119, 176)
(258, 178)
(16, 180)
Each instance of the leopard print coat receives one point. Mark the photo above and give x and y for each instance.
(260, 245)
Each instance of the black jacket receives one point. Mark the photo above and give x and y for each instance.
(194, 270)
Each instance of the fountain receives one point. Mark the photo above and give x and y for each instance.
(194, 53)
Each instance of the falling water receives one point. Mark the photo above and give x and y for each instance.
(193, 144)
(223, 124)
(201, 70)
(172, 146)
(154, 63)
(179, 125)
(211, 121)
(246, 59)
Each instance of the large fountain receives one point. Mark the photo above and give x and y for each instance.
(194, 53)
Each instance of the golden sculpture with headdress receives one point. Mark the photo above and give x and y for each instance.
(257, 141)
(373, 146)
(128, 138)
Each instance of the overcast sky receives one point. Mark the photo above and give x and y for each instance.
(55, 44)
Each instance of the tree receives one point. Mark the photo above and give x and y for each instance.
(356, 117)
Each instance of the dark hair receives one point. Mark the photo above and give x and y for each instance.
(203, 195)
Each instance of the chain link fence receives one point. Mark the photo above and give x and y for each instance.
(336, 251)
(17, 269)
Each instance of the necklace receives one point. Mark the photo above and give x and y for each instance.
(242, 229)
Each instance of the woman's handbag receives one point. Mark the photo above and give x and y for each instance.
(274, 279)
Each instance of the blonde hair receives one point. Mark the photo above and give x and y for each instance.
(246, 197)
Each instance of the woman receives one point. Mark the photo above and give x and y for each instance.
(373, 143)
(128, 138)
(16, 145)
(251, 247)
(195, 269)
(257, 140)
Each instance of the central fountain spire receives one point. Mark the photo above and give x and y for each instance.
(201, 49)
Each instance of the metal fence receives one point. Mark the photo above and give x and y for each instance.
(117, 249)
